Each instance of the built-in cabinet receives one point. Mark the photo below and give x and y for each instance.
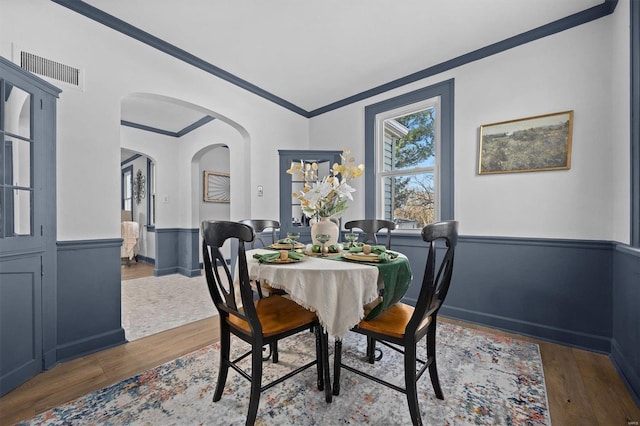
(291, 215)
(27, 225)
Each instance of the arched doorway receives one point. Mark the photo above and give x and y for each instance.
(180, 158)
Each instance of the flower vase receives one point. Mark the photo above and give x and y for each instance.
(327, 226)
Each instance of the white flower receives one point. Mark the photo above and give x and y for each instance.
(344, 190)
(319, 191)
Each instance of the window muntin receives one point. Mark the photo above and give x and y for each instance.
(407, 175)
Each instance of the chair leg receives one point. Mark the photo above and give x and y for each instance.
(371, 350)
(274, 351)
(319, 358)
(325, 366)
(431, 357)
(337, 360)
(410, 383)
(225, 343)
(256, 383)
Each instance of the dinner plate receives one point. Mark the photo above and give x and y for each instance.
(361, 257)
(280, 246)
(280, 261)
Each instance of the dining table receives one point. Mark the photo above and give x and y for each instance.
(335, 288)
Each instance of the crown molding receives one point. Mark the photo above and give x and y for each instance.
(605, 8)
(190, 128)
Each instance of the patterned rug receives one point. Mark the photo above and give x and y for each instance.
(486, 379)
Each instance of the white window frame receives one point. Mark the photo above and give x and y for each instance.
(381, 174)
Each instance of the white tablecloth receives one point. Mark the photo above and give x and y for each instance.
(336, 291)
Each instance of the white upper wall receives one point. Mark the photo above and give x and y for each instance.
(620, 115)
(571, 70)
(584, 69)
(88, 134)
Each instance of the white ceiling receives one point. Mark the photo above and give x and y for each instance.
(314, 53)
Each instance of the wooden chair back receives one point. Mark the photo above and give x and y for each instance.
(371, 227)
(259, 226)
(223, 289)
(437, 275)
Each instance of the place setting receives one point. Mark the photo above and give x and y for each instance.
(280, 257)
(290, 242)
(361, 252)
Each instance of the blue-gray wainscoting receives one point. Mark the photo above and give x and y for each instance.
(88, 297)
(573, 292)
(625, 340)
(177, 252)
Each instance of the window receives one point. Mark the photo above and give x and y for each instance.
(409, 157)
(151, 190)
(407, 173)
(127, 189)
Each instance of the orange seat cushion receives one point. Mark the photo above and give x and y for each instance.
(277, 314)
(392, 322)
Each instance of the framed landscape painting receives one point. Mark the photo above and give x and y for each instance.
(529, 144)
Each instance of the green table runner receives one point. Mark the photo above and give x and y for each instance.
(396, 276)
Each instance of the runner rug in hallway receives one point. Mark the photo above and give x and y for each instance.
(486, 379)
(154, 304)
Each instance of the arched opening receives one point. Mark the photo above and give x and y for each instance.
(180, 154)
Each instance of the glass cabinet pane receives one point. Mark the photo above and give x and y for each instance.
(21, 212)
(16, 162)
(18, 153)
(17, 111)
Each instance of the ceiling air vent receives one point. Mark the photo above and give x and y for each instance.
(51, 69)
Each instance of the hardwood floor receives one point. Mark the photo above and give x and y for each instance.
(72, 379)
(136, 270)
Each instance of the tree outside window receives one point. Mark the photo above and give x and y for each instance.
(409, 168)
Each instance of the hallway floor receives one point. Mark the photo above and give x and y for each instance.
(154, 304)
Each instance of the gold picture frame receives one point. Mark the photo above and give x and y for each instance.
(217, 188)
(530, 144)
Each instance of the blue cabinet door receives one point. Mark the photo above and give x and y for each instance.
(20, 321)
(27, 225)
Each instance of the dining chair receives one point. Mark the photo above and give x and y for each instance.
(261, 225)
(371, 227)
(402, 327)
(260, 322)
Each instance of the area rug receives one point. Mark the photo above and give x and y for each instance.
(154, 304)
(486, 379)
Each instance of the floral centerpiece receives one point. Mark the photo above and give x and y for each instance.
(326, 197)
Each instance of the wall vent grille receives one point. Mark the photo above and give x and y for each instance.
(48, 68)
